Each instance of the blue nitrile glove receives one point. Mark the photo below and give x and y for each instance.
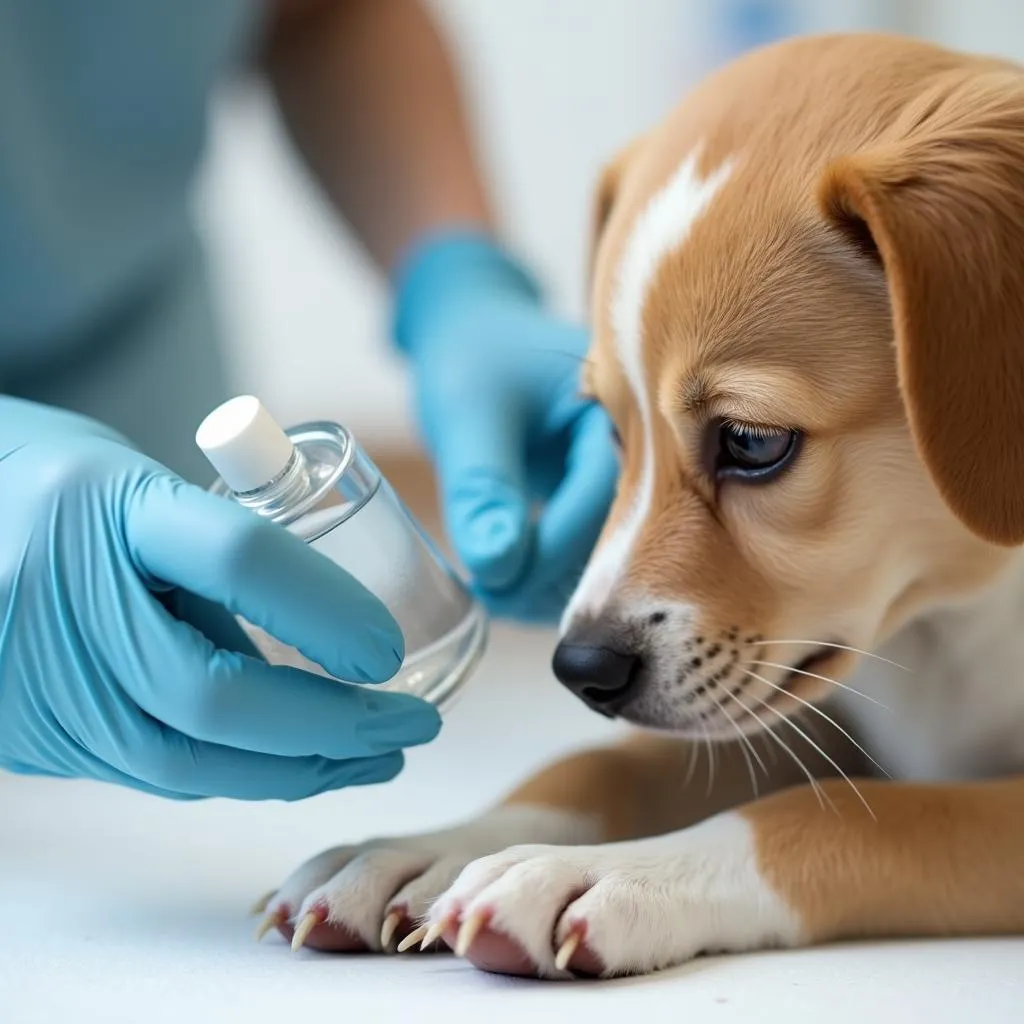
(119, 659)
(497, 382)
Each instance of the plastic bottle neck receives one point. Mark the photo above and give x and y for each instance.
(278, 497)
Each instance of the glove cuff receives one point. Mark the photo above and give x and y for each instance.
(442, 268)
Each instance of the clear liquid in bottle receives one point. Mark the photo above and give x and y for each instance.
(317, 482)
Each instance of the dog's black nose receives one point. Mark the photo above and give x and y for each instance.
(599, 676)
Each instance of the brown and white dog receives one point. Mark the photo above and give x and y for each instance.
(808, 310)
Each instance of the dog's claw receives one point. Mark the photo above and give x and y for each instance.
(469, 930)
(262, 903)
(413, 938)
(433, 933)
(389, 927)
(566, 950)
(304, 927)
(270, 922)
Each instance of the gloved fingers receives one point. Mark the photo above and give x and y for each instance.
(185, 537)
(569, 526)
(217, 624)
(177, 765)
(537, 602)
(107, 773)
(572, 520)
(95, 768)
(218, 696)
(16, 767)
(479, 453)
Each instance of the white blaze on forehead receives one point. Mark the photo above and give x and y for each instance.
(662, 228)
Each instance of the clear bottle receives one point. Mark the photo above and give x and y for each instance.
(315, 480)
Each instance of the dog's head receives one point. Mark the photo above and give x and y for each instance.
(808, 312)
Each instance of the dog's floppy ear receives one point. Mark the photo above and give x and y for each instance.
(606, 195)
(940, 203)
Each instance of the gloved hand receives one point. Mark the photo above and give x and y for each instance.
(497, 390)
(119, 659)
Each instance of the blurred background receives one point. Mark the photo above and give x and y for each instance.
(112, 889)
(556, 86)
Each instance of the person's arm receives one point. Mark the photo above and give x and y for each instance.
(369, 95)
(371, 100)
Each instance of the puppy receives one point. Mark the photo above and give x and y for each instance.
(808, 312)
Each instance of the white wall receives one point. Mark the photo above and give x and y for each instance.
(556, 87)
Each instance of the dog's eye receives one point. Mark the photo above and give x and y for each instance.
(754, 453)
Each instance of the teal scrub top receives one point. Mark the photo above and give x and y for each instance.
(104, 305)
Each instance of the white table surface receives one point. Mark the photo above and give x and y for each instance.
(118, 907)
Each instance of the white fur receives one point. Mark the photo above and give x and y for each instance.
(360, 884)
(644, 904)
(663, 227)
(959, 712)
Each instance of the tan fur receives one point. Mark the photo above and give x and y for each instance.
(939, 860)
(861, 277)
(942, 198)
(649, 785)
(766, 313)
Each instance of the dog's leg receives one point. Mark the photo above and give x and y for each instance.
(651, 784)
(782, 871)
(374, 895)
(934, 859)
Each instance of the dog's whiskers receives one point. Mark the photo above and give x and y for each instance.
(744, 745)
(800, 732)
(768, 731)
(769, 748)
(743, 736)
(818, 711)
(711, 758)
(836, 647)
(824, 679)
(691, 767)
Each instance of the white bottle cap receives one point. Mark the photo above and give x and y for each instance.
(244, 443)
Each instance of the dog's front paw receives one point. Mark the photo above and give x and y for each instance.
(624, 908)
(371, 897)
